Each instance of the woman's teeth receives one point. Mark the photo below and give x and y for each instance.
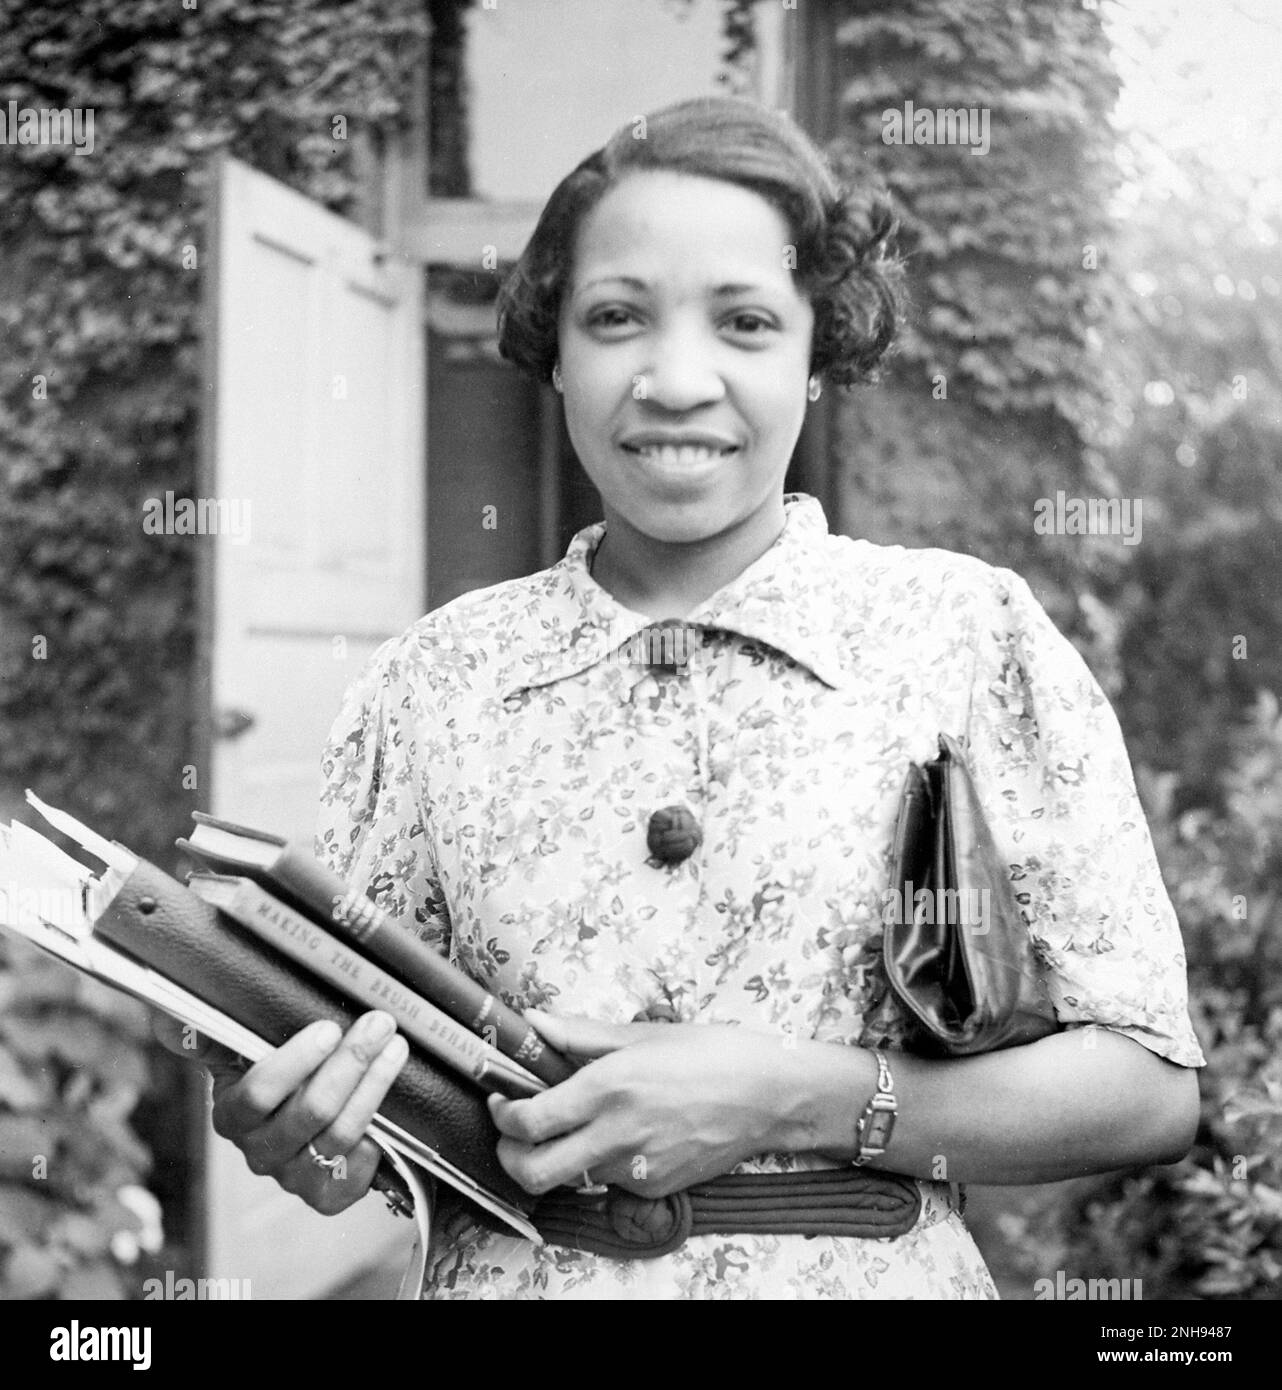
(678, 455)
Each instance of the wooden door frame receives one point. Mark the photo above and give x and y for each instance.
(809, 79)
(195, 1115)
(211, 605)
(460, 232)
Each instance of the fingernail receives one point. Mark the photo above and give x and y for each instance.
(396, 1051)
(327, 1036)
(375, 1028)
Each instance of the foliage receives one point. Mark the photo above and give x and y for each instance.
(1000, 383)
(1211, 1225)
(1197, 437)
(739, 44)
(72, 1068)
(100, 315)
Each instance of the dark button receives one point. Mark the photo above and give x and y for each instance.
(666, 646)
(147, 906)
(673, 834)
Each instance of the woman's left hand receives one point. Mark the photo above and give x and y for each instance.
(657, 1107)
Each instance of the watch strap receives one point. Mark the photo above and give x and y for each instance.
(876, 1124)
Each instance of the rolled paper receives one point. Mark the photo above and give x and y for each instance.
(673, 834)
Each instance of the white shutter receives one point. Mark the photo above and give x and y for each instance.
(317, 426)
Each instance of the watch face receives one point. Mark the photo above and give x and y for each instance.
(877, 1133)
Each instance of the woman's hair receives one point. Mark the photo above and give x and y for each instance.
(844, 262)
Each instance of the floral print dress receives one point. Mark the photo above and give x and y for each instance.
(493, 771)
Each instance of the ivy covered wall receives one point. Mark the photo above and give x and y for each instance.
(996, 396)
(101, 255)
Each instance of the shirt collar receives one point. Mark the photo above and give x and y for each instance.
(781, 600)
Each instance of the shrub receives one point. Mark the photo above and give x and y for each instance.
(1210, 1226)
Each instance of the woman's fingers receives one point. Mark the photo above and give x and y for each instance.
(330, 1191)
(336, 1189)
(333, 1109)
(586, 1038)
(560, 1109)
(550, 1139)
(539, 1168)
(318, 1091)
(243, 1104)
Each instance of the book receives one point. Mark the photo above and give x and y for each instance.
(135, 928)
(338, 964)
(293, 875)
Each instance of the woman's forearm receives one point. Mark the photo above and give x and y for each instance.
(1084, 1101)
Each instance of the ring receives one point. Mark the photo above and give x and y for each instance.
(330, 1165)
(590, 1188)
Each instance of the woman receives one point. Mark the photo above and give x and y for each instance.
(494, 772)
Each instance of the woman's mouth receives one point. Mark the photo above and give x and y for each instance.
(680, 455)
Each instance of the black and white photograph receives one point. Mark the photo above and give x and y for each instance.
(640, 657)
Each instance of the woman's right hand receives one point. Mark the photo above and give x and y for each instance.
(322, 1087)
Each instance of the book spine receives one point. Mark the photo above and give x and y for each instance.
(188, 941)
(431, 1028)
(417, 965)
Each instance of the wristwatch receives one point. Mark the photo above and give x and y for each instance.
(877, 1122)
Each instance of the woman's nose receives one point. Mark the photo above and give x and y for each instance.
(682, 375)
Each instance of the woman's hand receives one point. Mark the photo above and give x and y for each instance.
(665, 1105)
(658, 1107)
(321, 1087)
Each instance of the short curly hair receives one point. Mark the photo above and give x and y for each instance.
(845, 262)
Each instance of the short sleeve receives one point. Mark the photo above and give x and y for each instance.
(371, 830)
(1053, 775)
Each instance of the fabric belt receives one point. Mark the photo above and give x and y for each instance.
(830, 1202)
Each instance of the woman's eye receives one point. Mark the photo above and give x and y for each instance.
(750, 325)
(611, 317)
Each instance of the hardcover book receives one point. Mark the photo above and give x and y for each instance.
(294, 875)
(360, 980)
(139, 930)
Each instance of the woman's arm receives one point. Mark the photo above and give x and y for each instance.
(665, 1105)
(1079, 1102)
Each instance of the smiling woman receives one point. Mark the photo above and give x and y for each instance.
(496, 774)
(684, 392)
(687, 287)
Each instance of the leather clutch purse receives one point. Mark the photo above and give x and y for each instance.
(957, 951)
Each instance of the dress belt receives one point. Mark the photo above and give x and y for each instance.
(830, 1202)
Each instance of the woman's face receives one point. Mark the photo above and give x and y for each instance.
(685, 350)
